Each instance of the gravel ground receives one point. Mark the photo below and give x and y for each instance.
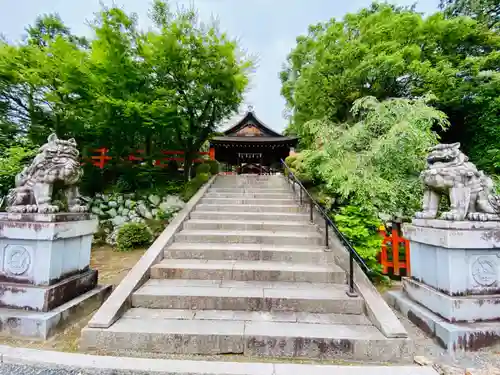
(427, 347)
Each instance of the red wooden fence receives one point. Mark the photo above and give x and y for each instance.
(395, 252)
(101, 157)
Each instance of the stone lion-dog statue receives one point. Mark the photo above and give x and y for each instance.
(471, 192)
(57, 163)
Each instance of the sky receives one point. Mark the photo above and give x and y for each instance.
(266, 29)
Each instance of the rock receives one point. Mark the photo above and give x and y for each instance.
(172, 203)
(119, 220)
(105, 197)
(112, 212)
(120, 199)
(96, 211)
(422, 361)
(154, 199)
(125, 211)
(111, 238)
(112, 204)
(143, 211)
(103, 207)
(120, 210)
(155, 212)
(129, 203)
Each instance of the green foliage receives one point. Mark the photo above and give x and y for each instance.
(484, 11)
(203, 168)
(123, 88)
(194, 185)
(360, 228)
(214, 166)
(132, 236)
(390, 52)
(12, 161)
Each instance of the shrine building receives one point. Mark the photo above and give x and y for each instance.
(251, 147)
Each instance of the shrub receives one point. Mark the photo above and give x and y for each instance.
(132, 236)
(214, 166)
(203, 169)
(194, 185)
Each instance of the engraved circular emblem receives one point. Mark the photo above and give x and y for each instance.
(484, 271)
(18, 260)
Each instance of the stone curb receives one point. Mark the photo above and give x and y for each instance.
(106, 365)
(118, 301)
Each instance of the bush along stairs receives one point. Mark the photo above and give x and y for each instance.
(248, 274)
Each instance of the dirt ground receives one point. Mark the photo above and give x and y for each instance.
(112, 267)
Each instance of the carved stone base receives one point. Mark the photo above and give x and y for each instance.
(46, 298)
(42, 325)
(455, 258)
(454, 309)
(42, 249)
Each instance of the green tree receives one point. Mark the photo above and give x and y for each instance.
(484, 11)
(388, 52)
(199, 72)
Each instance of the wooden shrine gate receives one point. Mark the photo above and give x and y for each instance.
(395, 251)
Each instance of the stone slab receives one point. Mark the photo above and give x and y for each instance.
(246, 270)
(107, 365)
(45, 218)
(164, 295)
(249, 225)
(119, 300)
(185, 250)
(46, 298)
(249, 208)
(239, 215)
(257, 201)
(454, 337)
(46, 230)
(454, 309)
(461, 225)
(267, 237)
(475, 237)
(274, 339)
(42, 325)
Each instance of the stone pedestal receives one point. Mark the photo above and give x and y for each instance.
(454, 289)
(44, 267)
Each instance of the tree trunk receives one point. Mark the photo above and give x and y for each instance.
(188, 164)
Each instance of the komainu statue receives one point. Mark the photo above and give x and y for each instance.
(56, 163)
(471, 192)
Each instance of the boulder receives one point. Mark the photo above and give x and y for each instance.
(172, 203)
(119, 220)
(129, 203)
(154, 199)
(112, 213)
(96, 211)
(143, 211)
(113, 204)
(125, 211)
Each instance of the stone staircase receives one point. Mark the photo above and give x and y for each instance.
(248, 274)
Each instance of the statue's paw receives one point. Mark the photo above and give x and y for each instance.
(425, 215)
(31, 208)
(78, 208)
(454, 216)
(476, 216)
(48, 209)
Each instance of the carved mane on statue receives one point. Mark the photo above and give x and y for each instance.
(57, 162)
(471, 192)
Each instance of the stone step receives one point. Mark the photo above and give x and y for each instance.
(247, 195)
(250, 225)
(249, 208)
(252, 201)
(248, 236)
(246, 271)
(157, 336)
(256, 316)
(248, 189)
(222, 251)
(246, 296)
(238, 215)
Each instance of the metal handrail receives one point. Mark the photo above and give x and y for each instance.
(353, 254)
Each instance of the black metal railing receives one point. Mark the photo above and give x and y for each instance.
(353, 254)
